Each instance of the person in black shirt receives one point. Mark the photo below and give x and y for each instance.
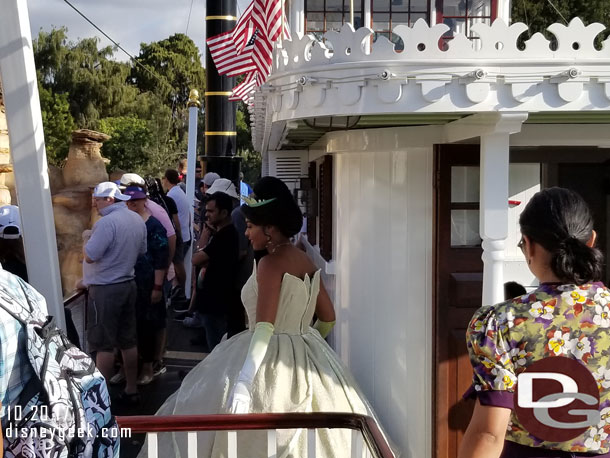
(218, 253)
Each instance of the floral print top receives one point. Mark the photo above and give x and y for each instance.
(555, 320)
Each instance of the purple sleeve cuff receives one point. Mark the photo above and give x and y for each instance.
(491, 398)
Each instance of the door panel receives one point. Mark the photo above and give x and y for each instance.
(459, 281)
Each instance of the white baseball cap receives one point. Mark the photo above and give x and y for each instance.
(10, 223)
(109, 189)
(129, 178)
(225, 186)
(209, 178)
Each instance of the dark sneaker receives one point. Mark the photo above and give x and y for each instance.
(129, 399)
(181, 308)
(176, 294)
(159, 368)
(181, 316)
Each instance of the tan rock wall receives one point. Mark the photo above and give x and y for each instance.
(71, 194)
(84, 168)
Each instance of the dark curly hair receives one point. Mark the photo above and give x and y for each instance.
(282, 212)
(560, 220)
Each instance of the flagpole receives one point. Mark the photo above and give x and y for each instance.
(220, 135)
(351, 12)
(282, 30)
(191, 160)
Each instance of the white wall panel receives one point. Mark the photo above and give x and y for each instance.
(524, 182)
(384, 237)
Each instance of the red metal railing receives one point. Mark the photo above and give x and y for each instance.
(371, 433)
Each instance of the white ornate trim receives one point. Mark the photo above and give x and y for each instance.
(342, 77)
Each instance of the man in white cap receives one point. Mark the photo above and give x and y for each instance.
(110, 252)
(235, 312)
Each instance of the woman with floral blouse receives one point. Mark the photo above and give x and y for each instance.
(566, 320)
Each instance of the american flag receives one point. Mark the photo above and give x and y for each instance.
(264, 15)
(225, 56)
(256, 54)
(245, 89)
(248, 48)
(273, 16)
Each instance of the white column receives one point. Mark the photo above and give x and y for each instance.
(297, 17)
(26, 139)
(191, 160)
(504, 10)
(494, 213)
(494, 202)
(367, 22)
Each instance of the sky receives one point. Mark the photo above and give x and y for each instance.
(128, 22)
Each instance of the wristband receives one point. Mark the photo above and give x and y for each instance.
(158, 288)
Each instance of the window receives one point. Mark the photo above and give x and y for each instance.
(386, 14)
(461, 15)
(323, 15)
(325, 185)
(320, 225)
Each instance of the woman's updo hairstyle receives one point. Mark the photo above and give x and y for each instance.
(280, 211)
(560, 221)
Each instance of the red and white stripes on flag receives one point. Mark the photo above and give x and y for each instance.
(245, 89)
(273, 18)
(244, 29)
(248, 48)
(227, 60)
(264, 15)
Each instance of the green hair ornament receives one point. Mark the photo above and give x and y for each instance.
(253, 203)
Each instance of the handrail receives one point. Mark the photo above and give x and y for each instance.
(172, 423)
(74, 296)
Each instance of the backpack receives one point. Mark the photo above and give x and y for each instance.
(64, 409)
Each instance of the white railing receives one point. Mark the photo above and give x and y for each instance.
(367, 441)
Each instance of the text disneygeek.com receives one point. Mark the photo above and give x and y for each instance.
(50, 433)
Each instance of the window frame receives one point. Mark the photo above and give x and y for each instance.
(344, 13)
(440, 16)
(409, 12)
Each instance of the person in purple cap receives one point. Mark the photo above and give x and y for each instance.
(110, 253)
(149, 271)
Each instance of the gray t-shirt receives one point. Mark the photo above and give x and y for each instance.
(184, 215)
(117, 240)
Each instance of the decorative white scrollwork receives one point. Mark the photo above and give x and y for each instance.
(502, 68)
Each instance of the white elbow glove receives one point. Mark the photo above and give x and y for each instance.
(323, 327)
(241, 396)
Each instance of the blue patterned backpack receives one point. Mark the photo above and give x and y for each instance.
(64, 410)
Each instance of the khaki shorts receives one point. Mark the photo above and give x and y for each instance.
(111, 317)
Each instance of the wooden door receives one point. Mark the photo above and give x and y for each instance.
(459, 280)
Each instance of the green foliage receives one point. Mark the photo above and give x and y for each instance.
(251, 163)
(58, 124)
(170, 69)
(178, 62)
(539, 14)
(81, 86)
(128, 146)
(242, 124)
(94, 84)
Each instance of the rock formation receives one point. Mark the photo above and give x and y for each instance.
(84, 168)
